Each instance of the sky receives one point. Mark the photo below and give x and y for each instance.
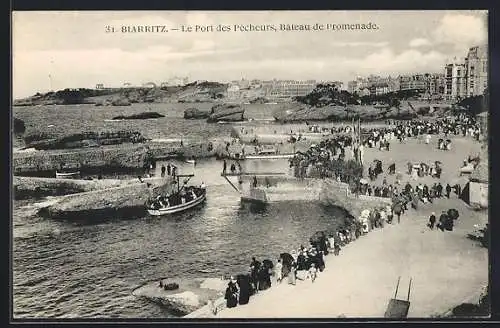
(75, 50)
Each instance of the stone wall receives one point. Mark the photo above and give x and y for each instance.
(339, 194)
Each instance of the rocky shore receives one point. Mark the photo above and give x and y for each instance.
(125, 202)
(33, 187)
(297, 112)
(191, 295)
(123, 157)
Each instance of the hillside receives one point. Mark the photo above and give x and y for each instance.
(193, 92)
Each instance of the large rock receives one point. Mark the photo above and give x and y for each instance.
(126, 156)
(25, 187)
(119, 202)
(227, 112)
(120, 102)
(192, 294)
(19, 126)
(140, 116)
(195, 113)
(297, 112)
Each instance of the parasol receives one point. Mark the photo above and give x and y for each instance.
(268, 264)
(287, 258)
(453, 213)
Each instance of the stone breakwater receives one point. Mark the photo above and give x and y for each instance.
(119, 202)
(339, 194)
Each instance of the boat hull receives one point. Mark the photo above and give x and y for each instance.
(178, 208)
(277, 156)
(69, 175)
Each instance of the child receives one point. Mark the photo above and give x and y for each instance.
(313, 272)
(279, 271)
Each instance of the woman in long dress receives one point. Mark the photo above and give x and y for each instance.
(231, 295)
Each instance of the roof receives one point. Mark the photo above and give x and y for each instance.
(481, 173)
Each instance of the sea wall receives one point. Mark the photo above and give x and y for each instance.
(339, 194)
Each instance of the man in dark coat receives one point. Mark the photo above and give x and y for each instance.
(448, 190)
(439, 190)
(163, 169)
(254, 273)
(432, 221)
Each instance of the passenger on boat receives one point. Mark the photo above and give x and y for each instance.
(203, 185)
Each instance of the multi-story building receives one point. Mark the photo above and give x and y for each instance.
(375, 85)
(455, 81)
(283, 89)
(476, 64)
(413, 82)
(435, 84)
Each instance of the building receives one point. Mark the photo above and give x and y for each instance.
(436, 84)
(283, 89)
(455, 81)
(475, 192)
(476, 64)
(375, 85)
(413, 82)
(99, 86)
(233, 91)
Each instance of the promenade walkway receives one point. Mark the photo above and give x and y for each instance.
(447, 269)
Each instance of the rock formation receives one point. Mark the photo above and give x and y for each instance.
(19, 126)
(195, 113)
(119, 202)
(140, 116)
(191, 295)
(299, 112)
(226, 112)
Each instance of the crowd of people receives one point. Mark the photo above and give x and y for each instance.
(304, 263)
(186, 195)
(307, 263)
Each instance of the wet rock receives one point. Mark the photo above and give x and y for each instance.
(195, 113)
(171, 286)
(140, 116)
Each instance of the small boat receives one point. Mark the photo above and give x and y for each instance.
(67, 175)
(198, 195)
(269, 156)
